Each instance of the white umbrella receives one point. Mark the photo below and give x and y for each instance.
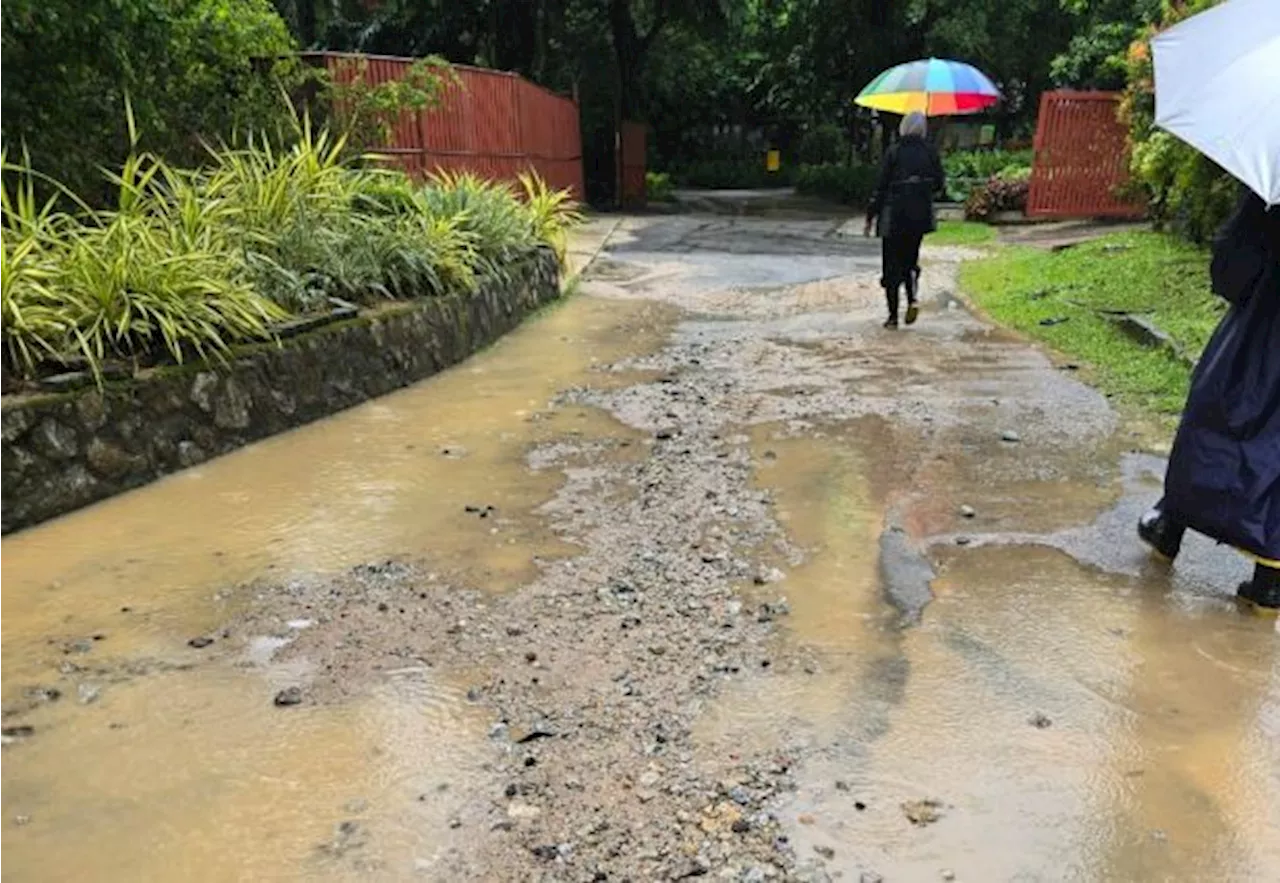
(1218, 89)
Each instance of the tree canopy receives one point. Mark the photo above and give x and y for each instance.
(703, 74)
(691, 68)
(188, 68)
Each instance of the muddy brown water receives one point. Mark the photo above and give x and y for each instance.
(1068, 721)
(1069, 724)
(177, 770)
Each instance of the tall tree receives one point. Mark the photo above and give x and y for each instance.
(635, 26)
(190, 69)
(1101, 32)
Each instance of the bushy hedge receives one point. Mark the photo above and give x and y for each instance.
(188, 262)
(658, 186)
(1186, 191)
(190, 69)
(848, 184)
(824, 143)
(1003, 192)
(969, 169)
(730, 174)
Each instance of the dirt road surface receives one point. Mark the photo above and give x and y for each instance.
(702, 573)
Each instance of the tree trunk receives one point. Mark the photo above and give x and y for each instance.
(306, 23)
(514, 29)
(629, 51)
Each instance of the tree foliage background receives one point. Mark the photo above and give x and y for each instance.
(705, 73)
(714, 79)
(189, 69)
(1186, 191)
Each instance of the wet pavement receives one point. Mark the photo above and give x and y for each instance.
(701, 572)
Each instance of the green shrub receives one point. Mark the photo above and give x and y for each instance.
(192, 69)
(122, 284)
(1186, 192)
(848, 184)
(1095, 57)
(824, 143)
(552, 213)
(188, 263)
(1001, 193)
(658, 186)
(967, 169)
(488, 212)
(730, 174)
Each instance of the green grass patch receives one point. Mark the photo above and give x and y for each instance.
(1061, 298)
(961, 233)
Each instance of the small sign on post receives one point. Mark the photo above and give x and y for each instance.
(773, 161)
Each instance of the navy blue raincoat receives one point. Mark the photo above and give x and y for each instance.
(1224, 470)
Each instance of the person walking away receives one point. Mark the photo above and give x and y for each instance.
(1223, 478)
(902, 208)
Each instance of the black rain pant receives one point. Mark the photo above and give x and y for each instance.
(899, 265)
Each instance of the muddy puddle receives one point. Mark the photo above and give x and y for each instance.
(186, 776)
(153, 762)
(1042, 714)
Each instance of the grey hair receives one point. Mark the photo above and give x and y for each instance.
(913, 123)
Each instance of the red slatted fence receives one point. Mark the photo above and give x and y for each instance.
(1081, 158)
(493, 123)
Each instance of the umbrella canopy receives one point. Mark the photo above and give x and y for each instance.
(1218, 89)
(936, 86)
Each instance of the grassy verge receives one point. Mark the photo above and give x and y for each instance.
(1058, 298)
(961, 233)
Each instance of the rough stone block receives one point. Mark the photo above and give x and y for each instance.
(109, 461)
(56, 440)
(233, 404)
(15, 422)
(62, 452)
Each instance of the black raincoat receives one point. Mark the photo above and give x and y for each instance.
(1223, 478)
(910, 174)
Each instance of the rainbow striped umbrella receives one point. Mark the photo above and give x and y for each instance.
(934, 85)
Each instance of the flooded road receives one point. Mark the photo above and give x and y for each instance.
(698, 573)
(156, 766)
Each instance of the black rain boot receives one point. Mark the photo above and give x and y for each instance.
(913, 285)
(891, 300)
(1162, 533)
(1263, 591)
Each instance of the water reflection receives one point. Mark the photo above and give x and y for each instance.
(1072, 723)
(180, 768)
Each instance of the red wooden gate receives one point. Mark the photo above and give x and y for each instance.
(493, 123)
(1081, 158)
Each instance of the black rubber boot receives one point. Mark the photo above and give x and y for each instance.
(891, 300)
(1263, 591)
(1162, 533)
(913, 283)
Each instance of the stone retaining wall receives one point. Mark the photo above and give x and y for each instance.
(67, 450)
